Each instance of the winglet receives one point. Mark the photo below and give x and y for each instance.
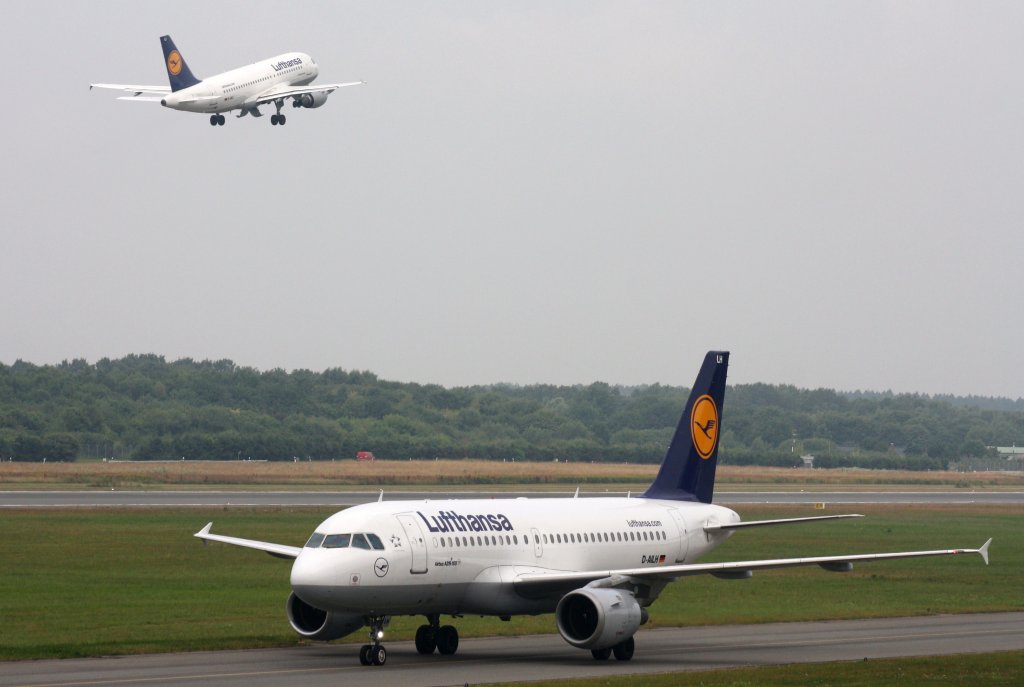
(204, 531)
(381, 497)
(983, 551)
(577, 494)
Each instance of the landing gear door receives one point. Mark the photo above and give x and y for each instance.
(417, 544)
(677, 517)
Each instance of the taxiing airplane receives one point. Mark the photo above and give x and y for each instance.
(244, 89)
(596, 563)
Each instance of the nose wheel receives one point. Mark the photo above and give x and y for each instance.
(216, 120)
(375, 654)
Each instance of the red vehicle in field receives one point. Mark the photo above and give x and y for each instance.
(364, 455)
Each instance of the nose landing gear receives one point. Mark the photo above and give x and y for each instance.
(375, 654)
(216, 120)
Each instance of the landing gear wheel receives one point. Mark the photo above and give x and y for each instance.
(624, 650)
(601, 654)
(378, 655)
(426, 639)
(364, 654)
(447, 640)
(213, 120)
(220, 120)
(281, 119)
(273, 120)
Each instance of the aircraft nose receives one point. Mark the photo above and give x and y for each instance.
(305, 572)
(164, 102)
(311, 579)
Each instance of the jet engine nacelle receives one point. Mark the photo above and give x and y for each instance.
(313, 623)
(311, 100)
(597, 618)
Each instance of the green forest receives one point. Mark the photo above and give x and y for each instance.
(143, 407)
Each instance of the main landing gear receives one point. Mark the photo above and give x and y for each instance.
(216, 120)
(444, 638)
(623, 651)
(278, 118)
(375, 654)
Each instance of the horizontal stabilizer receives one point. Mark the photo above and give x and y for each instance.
(784, 521)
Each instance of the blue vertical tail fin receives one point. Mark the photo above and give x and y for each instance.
(177, 71)
(687, 471)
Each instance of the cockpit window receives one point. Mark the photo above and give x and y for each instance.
(359, 542)
(375, 541)
(314, 541)
(336, 541)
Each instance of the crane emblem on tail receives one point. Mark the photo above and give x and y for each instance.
(704, 426)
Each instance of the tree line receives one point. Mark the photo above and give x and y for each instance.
(143, 407)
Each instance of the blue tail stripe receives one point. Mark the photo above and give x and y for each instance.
(178, 72)
(687, 471)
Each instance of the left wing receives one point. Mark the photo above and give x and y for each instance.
(289, 92)
(535, 582)
(134, 90)
(278, 550)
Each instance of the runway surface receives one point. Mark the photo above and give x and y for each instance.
(28, 499)
(539, 656)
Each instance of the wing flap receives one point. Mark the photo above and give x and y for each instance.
(278, 550)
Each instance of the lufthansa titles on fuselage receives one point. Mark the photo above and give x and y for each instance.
(284, 64)
(450, 521)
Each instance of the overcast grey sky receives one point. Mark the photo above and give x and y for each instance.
(555, 192)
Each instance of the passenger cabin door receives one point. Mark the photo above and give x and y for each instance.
(683, 540)
(538, 550)
(417, 544)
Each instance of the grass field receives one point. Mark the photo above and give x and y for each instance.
(453, 473)
(96, 582)
(992, 670)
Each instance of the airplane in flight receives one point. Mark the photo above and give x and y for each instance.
(596, 563)
(268, 82)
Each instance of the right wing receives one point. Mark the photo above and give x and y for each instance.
(134, 90)
(541, 583)
(278, 550)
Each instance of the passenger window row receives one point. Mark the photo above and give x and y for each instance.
(572, 538)
(600, 537)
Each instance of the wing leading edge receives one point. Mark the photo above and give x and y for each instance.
(736, 569)
(278, 550)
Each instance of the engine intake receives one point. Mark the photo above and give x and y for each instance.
(310, 100)
(598, 618)
(314, 623)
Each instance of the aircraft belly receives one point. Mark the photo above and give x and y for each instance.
(399, 599)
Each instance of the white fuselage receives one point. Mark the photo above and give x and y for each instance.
(239, 88)
(463, 556)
